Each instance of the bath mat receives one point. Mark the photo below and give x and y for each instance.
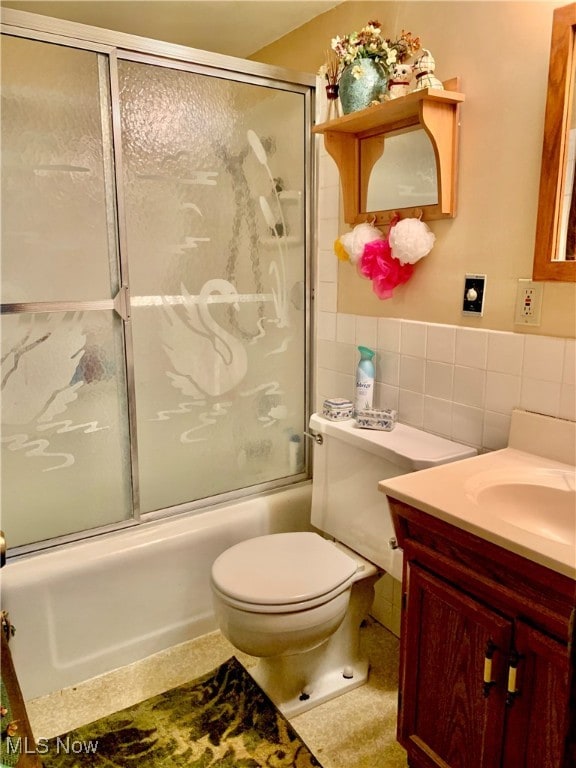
(222, 720)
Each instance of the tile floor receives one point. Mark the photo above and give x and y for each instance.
(356, 730)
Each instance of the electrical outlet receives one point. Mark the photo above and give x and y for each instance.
(474, 289)
(528, 302)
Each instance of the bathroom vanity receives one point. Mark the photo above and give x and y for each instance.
(489, 584)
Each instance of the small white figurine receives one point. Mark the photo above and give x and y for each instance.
(424, 70)
(399, 83)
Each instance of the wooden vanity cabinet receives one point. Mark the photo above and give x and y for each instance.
(487, 652)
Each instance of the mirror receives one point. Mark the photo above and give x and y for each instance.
(404, 175)
(554, 254)
(567, 239)
(420, 129)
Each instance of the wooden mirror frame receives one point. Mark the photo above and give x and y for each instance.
(434, 110)
(555, 147)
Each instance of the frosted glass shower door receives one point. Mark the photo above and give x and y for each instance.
(65, 448)
(214, 174)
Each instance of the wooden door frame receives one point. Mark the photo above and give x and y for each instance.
(28, 756)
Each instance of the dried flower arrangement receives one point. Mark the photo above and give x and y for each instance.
(369, 44)
(330, 70)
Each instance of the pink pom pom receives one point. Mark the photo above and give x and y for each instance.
(385, 272)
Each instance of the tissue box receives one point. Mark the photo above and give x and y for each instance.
(377, 419)
(337, 409)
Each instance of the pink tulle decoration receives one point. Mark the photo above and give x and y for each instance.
(386, 273)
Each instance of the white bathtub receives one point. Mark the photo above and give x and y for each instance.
(93, 606)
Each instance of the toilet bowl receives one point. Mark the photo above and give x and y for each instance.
(281, 594)
(296, 600)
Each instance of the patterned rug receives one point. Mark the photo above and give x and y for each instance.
(222, 720)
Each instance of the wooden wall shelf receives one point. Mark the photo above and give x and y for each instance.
(436, 111)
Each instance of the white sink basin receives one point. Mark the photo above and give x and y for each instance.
(538, 501)
(521, 498)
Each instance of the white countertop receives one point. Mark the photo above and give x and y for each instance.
(450, 493)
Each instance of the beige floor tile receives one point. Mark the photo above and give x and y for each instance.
(356, 730)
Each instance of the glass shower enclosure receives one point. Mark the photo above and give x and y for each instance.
(154, 279)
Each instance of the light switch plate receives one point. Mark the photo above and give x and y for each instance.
(474, 291)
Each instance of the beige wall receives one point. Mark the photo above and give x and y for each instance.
(500, 51)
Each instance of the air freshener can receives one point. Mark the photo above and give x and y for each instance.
(364, 380)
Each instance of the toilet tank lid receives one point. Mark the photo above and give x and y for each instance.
(282, 569)
(406, 447)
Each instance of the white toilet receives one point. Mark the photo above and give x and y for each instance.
(296, 600)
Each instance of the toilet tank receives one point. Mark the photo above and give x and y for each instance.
(348, 465)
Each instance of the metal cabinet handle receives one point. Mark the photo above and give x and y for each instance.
(487, 682)
(2, 550)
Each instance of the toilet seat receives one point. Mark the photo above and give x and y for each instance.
(282, 573)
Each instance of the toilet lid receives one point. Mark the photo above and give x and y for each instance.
(281, 569)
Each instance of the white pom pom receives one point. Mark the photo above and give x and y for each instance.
(410, 240)
(347, 242)
(357, 239)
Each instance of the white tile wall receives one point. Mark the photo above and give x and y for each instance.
(439, 380)
(502, 392)
(413, 338)
(441, 343)
(346, 329)
(459, 383)
(389, 334)
(470, 403)
(471, 347)
(387, 606)
(456, 382)
(505, 352)
(367, 331)
(543, 358)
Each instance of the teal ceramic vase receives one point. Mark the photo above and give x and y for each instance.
(358, 92)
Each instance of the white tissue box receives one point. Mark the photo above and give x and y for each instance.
(377, 419)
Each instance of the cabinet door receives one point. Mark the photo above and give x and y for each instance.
(536, 725)
(446, 719)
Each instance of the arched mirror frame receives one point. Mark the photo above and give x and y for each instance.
(555, 149)
(436, 111)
